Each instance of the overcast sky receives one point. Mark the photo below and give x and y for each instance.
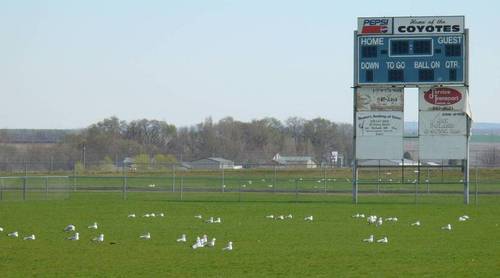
(68, 64)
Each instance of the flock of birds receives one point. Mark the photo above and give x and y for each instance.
(200, 241)
(289, 216)
(379, 220)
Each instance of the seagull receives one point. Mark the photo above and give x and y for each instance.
(229, 246)
(182, 238)
(289, 216)
(31, 237)
(383, 240)
(93, 226)
(357, 215)
(447, 227)
(76, 236)
(100, 238)
(1, 229)
(152, 185)
(146, 215)
(417, 223)
(218, 220)
(462, 219)
(465, 216)
(132, 215)
(14, 234)
(161, 214)
(379, 222)
(211, 243)
(204, 240)
(210, 220)
(270, 186)
(270, 216)
(152, 214)
(198, 216)
(369, 240)
(197, 244)
(371, 219)
(145, 236)
(70, 228)
(394, 219)
(281, 217)
(308, 218)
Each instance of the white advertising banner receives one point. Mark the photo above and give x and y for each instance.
(429, 25)
(442, 147)
(379, 135)
(379, 123)
(380, 99)
(443, 99)
(439, 123)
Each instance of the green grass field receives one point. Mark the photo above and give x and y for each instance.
(330, 246)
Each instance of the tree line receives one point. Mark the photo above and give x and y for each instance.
(112, 140)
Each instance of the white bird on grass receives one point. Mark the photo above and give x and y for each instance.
(369, 240)
(210, 220)
(100, 238)
(417, 223)
(379, 222)
(393, 219)
(308, 218)
(152, 185)
(281, 217)
(371, 219)
(461, 219)
(147, 215)
(1, 229)
(447, 227)
(132, 215)
(204, 240)
(31, 237)
(270, 216)
(198, 216)
(161, 214)
(198, 243)
(465, 216)
(145, 236)
(182, 238)
(13, 234)
(70, 228)
(289, 216)
(93, 226)
(76, 236)
(383, 240)
(211, 243)
(218, 220)
(229, 246)
(152, 214)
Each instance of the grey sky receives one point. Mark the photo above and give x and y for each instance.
(67, 64)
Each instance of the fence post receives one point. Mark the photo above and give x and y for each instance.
(475, 193)
(274, 180)
(223, 179)
(324, 177)
(46, 187)
(124, 189)
(296, 190)
(24, 188)
(182, 185)
(173, 178)
(74, 176)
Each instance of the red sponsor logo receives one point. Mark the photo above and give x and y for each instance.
(442, 96)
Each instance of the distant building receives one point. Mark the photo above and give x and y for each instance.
(212, 163)
(294, 161)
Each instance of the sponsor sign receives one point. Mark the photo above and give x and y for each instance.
(380, 99)
(443, 99)
(442, 147)
(439, 123)
(429, 25)
(379, 124)
(375, 25)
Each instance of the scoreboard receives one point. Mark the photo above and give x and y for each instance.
(410, 51)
